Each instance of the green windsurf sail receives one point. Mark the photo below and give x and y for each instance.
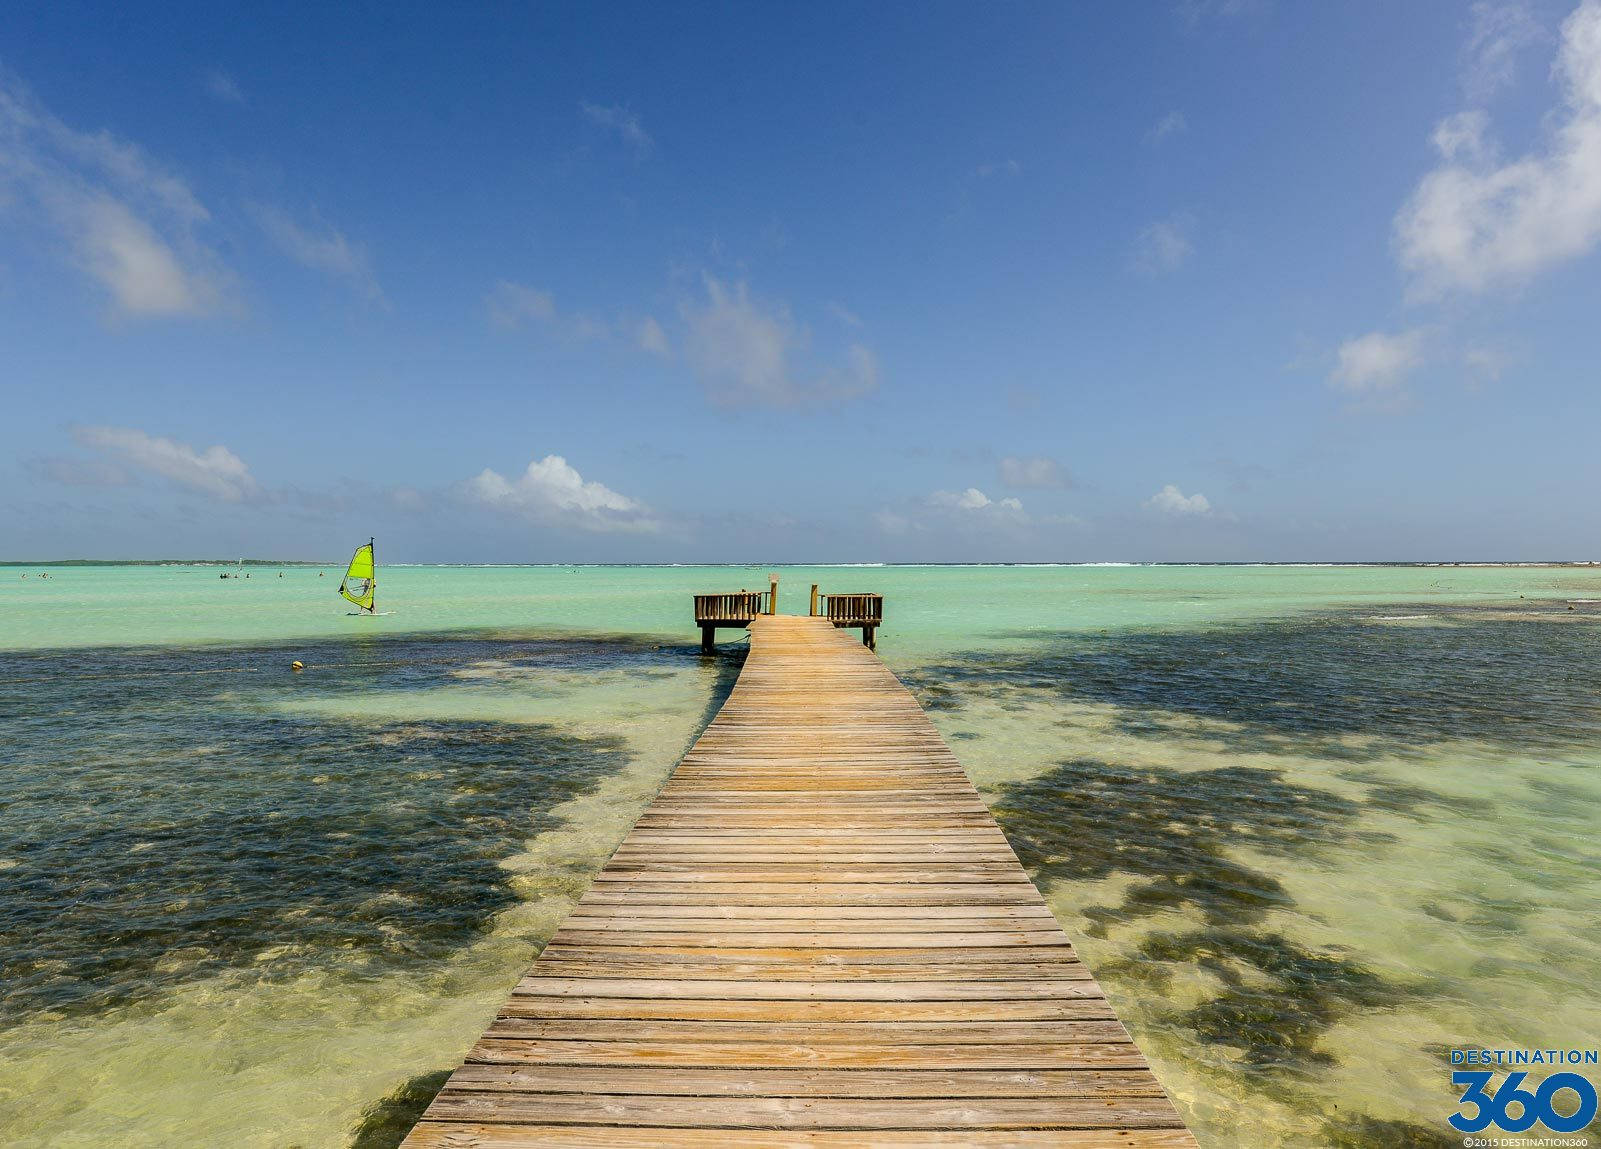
(361, 578)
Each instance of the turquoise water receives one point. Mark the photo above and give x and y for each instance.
(1311, 826)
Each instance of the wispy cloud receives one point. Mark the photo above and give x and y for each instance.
(1009, 169)
(974, 499)
(319, 247)
(81, 472)
(129, 225)
(215, 471)
(652, 338)
(1498, 32)
(514, 304)
(551, 492)
(968, 513)
(623, 123)
(221, 86)
(743, 351)
(1037, 471)
(1162, 247)
(1194, 13)
(1378, 361)
(1485, 363)
(1474, 223)
(1169, 125)
(844, 314)
(1172, 501)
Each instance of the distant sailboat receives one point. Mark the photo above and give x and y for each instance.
(360, 583)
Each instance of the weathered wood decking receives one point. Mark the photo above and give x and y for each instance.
(816, 935)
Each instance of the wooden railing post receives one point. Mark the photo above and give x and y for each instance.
(813, 611)
(772, 594)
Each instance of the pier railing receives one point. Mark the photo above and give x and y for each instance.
(732, 608)
(864, 612)
(851, 609)
(735, 607)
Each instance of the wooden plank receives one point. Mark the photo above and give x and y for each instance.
(486, 1077)
(1091, 1112)
(1104, 1028)
(905, 971)
(431, 1134)
(817, 894)
(862, 1054)
(816, 935)
(866, 1013)
(728, 914)
(858, 938)
(752, 990)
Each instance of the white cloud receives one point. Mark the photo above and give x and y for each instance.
(1378, 361)
(1486, 363)
(1008, 168)
(1163, 246)
(1169, 125)
(973, 499)
(1194, 13)
(742, 352)
(216, 471)
(126, 254)
(553, 493)
(1033, 472)
(1172, 501)
(221, 86)
(969, 512)
(1462, 136)
(1473, 223)
(324, 249)
(624, 123)
(1498, 33)
(128, 225)
(844, 314)
(513, 304)
(652, 338)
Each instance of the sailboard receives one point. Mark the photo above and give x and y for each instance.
(360, 584)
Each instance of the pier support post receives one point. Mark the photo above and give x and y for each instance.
(772, 594)
(708, 639)
(867, 637)
(813, 611)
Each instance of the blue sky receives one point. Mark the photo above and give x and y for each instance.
(920, 282)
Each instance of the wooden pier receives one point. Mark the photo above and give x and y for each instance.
(816, 935)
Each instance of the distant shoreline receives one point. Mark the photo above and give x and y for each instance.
(1420, 563)
(163, 563)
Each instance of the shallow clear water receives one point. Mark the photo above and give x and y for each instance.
(1310, 826)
